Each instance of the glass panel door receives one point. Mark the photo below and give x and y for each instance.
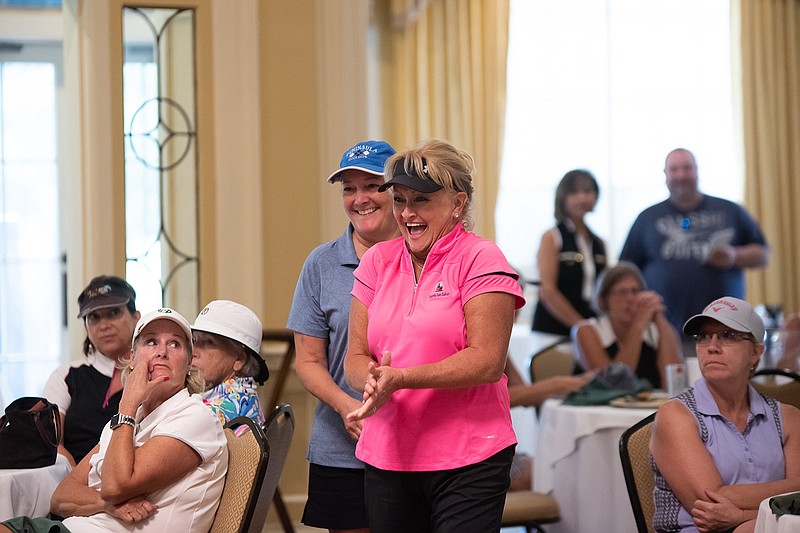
(32, 315)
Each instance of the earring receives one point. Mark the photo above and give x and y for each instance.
(455, 215)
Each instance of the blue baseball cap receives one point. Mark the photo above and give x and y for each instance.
(368, 156)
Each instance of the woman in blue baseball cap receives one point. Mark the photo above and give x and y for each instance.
(319, 318)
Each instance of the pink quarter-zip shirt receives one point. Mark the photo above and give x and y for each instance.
(432, 429)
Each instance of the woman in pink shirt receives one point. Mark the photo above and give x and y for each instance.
(430, 322)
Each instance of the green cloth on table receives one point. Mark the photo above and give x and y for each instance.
(599, 392)
(785, 504)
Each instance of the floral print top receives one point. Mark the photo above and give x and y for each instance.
(235, 397)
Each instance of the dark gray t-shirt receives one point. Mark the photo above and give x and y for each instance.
(670, 246)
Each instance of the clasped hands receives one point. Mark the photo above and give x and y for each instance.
(132, 511)
(649, 305)
(382, 381)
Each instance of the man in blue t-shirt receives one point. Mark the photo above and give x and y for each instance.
(693, 248)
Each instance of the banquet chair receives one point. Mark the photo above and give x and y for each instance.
(530, 509)
(248, 456)
(782, 385)
(553, 360)
(634, 451)
(279, 341)
(279, 429)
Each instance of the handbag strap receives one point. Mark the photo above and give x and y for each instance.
(56, 422)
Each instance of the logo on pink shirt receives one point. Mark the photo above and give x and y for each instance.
(439, 291)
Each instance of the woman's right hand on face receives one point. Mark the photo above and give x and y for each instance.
(138, 387)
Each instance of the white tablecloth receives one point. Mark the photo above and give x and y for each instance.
(769, 523)
(27, 491)
(577, 460)
(523, 344)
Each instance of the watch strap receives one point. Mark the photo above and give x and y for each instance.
(119, 419)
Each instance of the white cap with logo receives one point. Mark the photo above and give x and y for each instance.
(165, 313)
(732, 312)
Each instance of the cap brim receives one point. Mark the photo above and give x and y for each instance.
(690, 327)
(337, 175)
(103, 305)
(263, 371)
(412, 182)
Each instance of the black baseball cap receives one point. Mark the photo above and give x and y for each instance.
(104, 292)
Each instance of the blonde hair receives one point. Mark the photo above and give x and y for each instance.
(444, 164)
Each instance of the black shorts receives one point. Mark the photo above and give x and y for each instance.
(335, 498)
(469, 498)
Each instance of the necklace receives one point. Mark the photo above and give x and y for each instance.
(360, 247)
(417, 263)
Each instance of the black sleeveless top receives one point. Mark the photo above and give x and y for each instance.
(86, 416)
(570, 280)
(647, 367)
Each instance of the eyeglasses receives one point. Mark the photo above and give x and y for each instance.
(726, 337)
(625, 291)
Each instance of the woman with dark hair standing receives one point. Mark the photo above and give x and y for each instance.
(88, 391)
(570, 257)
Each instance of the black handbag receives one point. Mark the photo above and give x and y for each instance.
(29, 433)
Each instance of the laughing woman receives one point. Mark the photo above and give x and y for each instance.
(430, 322)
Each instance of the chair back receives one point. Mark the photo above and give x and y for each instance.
(277, 343)
(782, 385)
(555, 360)
(279, 429)
(248, 456)
(634, 451)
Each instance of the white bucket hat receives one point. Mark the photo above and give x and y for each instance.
(238, 323)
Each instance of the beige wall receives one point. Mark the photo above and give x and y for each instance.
(285, 91)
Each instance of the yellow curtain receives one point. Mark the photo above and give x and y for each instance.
(770, 77)
(447, 66)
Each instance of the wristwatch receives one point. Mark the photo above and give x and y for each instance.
(118, 419)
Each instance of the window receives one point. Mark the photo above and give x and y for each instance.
(31, 266)
(160, 157)
(611, 86)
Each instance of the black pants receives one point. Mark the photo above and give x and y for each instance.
(469, 498)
